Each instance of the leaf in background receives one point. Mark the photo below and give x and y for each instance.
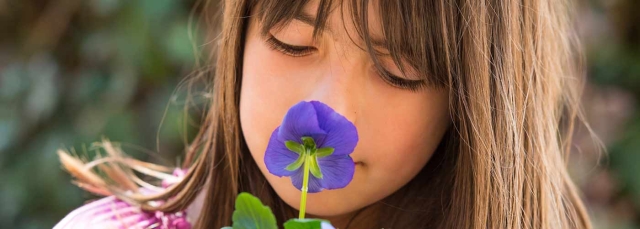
(250, 213)
(307, 224)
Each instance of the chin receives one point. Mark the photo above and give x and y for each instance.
(326, 203)
(331, 203)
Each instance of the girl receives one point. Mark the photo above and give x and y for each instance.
(464, 110)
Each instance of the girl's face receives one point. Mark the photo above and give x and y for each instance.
(398, 128)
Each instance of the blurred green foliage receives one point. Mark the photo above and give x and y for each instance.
(611, 35)
(74, 71)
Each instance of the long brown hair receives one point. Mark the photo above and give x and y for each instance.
(512, 69)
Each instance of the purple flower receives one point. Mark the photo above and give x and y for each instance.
(314, 136)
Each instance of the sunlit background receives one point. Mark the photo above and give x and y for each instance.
(75, 71)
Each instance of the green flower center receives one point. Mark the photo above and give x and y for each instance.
(307, 153)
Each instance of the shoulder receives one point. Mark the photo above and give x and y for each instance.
(111, 212)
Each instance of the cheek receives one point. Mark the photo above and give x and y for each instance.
(262, 76)
(267, 92)
(262, 100)
(405, 137)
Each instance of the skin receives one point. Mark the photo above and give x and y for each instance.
(398, 129)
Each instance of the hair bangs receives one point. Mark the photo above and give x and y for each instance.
(407, 30)
(276, 14)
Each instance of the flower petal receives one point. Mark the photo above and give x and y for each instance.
(277, 157)
(341, 133)
(301, 120)
(108, 212)
(337, 171)
(314, 183)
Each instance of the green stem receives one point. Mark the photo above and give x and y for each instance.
(305, 185)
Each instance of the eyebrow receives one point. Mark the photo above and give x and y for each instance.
(311, 20)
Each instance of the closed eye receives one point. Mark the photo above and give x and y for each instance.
(287, 49)
(388, 77)
(399, 82)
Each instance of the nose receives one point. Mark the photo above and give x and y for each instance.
(342, 101)
(340, 85)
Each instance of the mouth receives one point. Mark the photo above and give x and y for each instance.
(359, 163)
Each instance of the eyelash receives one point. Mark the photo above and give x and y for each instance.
(287, 49)
(300, 51)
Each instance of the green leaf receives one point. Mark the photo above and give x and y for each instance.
(325, 151)
(250, 213)
(314, 167)
(296, 164)
(294, 147)
(304, 224)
